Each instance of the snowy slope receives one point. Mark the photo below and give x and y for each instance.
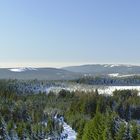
(37, 73)
(69, 131)
(105, 69)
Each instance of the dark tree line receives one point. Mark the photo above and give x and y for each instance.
(135, 80)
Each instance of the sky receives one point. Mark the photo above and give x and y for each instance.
(57, 33)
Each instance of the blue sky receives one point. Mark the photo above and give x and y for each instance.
(69, 32)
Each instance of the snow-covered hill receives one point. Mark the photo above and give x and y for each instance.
(106, 69)
(37, 73)
(68, 73)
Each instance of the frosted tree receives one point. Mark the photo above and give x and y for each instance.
(13, 135)
(127, 134)
(3, 130)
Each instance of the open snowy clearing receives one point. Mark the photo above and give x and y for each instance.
(109, 90)
(89, 88)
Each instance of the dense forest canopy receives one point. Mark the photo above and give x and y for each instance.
(109, 81)
(91, 115)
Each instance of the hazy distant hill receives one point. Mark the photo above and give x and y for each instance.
(105, 69)
(38, 73)
(69, 73)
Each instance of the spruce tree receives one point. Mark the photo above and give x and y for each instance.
(95, 128)
(127, 134)
(3, 130)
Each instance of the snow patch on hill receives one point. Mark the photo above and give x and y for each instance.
(117, 65)
(22, 69)
(114, 74)
(111, 65)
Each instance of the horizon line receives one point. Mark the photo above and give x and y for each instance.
(56, 65)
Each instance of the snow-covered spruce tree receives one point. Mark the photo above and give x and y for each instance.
(115, 126)
(127, 134)
(128, 113)
(3, 130)
(13, 135)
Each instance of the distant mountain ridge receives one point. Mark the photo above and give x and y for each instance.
(70, 73)
(105, 69)
(37, 73)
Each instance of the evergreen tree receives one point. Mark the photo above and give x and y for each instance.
(3, 130)
(95, 128)
(135, 130)
(13, 135)
(121, 132)
(127, 134)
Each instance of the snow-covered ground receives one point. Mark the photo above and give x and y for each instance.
(113, 74)
(69, 132)
(89, 88)
(109, 90)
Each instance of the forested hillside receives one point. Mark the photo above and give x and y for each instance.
(92, 116)
(109, 81)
